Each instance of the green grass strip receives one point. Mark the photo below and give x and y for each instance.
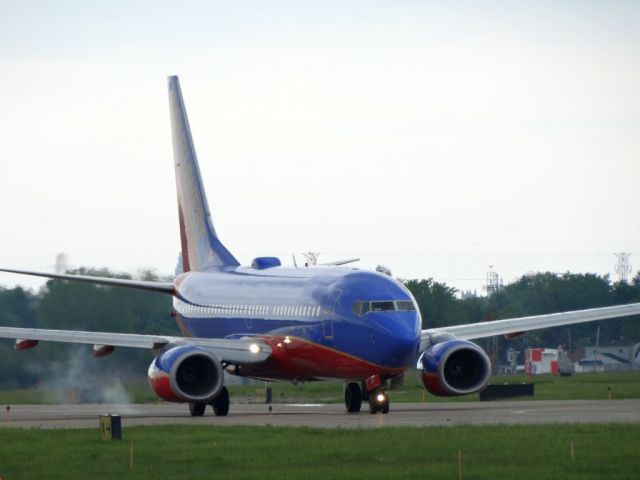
(537, 452)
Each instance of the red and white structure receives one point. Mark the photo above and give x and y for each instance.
(541, 360)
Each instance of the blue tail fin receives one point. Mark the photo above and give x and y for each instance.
(201, 247)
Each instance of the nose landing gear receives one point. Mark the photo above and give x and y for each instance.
(354, 395)
(378, 402)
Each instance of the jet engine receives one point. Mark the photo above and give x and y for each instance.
(454, 367)
(186, 373)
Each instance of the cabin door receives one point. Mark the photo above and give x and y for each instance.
(329, 314)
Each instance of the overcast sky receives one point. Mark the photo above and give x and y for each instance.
(436, 138)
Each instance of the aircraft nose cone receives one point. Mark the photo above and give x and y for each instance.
(399, 338)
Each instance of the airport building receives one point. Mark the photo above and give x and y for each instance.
(539, 361)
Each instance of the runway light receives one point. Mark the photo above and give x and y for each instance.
(381, 398)
(254, 348)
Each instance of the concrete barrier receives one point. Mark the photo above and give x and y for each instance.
(497, 392)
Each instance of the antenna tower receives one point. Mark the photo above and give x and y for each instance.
(494, 282)
(62, 263)
(623, 267)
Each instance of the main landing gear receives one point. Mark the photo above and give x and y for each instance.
(354, 395)
(220, 405)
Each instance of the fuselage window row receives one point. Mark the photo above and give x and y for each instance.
(252, 310)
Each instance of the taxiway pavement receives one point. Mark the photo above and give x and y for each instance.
(330, 415)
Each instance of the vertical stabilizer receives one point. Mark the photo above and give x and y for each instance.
(201, 247)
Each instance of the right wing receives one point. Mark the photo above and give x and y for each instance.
(472, 331)
(243, 350)
(163, 287)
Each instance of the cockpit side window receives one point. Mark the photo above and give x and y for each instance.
(357, 308)
(406, 305)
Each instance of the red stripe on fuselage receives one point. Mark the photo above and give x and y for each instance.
(304, 360)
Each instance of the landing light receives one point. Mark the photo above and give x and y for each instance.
(254, 348)
(381, 398)
(287, 340)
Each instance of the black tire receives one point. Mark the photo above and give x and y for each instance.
(220, 404)
(353, 397)
(197, 409)
(385, 407)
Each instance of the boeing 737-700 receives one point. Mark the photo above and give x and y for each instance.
(271, 322)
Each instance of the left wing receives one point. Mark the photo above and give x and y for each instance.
(244, 350)
(523, 324)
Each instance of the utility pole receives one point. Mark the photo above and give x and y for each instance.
(494, 284)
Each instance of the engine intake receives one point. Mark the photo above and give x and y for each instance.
(186, 373)
(455, 367)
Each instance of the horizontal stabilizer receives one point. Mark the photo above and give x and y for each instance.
(337, 263)
(163, 287)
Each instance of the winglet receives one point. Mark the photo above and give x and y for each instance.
(201, 247)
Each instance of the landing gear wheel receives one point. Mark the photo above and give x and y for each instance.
(353, 397)
(220, 404)
(378, 402)
(197, 409)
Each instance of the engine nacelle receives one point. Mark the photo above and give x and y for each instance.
(455, 367)
(186, 373)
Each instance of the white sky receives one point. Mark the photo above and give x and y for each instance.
(432, 137)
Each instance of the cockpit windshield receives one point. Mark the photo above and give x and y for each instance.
(361, 307)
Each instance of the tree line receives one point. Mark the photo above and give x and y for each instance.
(75, 305)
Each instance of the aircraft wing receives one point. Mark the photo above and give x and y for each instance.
(523, 324)
(163, 287)
(250, 350)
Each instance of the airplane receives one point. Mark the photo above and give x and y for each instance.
(271, 322)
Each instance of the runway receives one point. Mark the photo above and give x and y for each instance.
(331, 415)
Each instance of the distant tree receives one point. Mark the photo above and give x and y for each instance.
(82, 306)
(17, 309)
(437, 302)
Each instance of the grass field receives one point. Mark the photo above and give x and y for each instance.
(185, 452)
(586, 386)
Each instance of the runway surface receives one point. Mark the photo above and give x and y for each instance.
(331, 415)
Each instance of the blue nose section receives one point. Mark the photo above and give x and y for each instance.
(397, 337)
